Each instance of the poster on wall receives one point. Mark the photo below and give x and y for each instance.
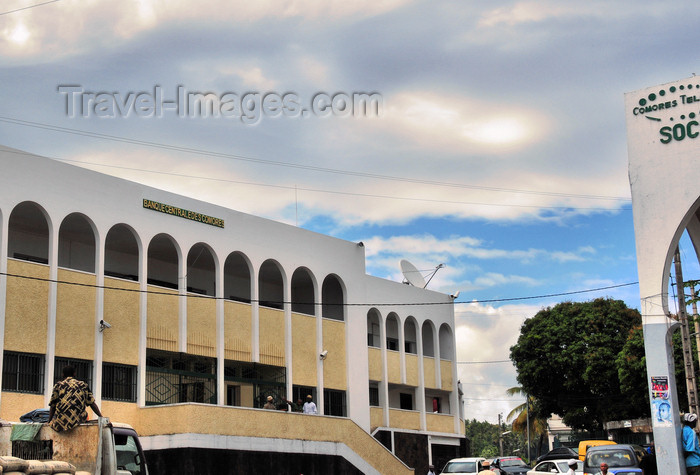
(661, 405)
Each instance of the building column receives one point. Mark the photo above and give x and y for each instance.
(421, 379)
(4, 232)
(319, 362)
(143, 323)
(220, 337)
(99, 316)
(51, 323)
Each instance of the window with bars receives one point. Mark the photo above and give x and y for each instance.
(334, 403)
(23, 372)
(119, 382)
(179, 377)
(83, 369)
(374, 396)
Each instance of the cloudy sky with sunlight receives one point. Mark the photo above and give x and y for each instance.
(499, 148)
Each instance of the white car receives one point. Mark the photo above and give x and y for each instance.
(463, 466)
(548, 467)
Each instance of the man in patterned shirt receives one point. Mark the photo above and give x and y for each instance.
(69, 399)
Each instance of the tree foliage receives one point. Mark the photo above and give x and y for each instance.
(567, 359)
(483, 439)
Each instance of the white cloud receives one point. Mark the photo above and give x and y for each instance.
(454, 122)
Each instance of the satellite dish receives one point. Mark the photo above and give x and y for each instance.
(412, 274)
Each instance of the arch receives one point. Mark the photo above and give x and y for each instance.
(122, 248)
(428, 330)
(163, 261)
(410, 336)
(303, 291)
(76, 243)
(237, 277)
(374, 326)
(333, 298)
(392, 332)
(28, 233)
(446, 342)
(271, 285)
(201, 270)
(691, 224)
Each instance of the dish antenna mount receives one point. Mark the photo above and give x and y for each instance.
(414, 277)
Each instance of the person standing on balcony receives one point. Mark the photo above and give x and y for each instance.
(310, 406)
(269, 404)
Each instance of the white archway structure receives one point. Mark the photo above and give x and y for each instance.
(663, 137)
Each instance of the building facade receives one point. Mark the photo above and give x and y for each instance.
(663, 135)
(184, 317)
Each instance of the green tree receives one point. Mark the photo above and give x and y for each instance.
(520, 415)
(566, 358)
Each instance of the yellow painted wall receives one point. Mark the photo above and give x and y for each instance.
(163, 319)
(412, 370)
(446, 374)
(75, 315)
(440, 423)
(429, 372)
(401, 419)
(375, 364)
(334, 366)
(16, 404)
(201, 326)
(26, 308)
(304, 355)
(376, 418)
(121, 310)
(237, 331)
(272, 336)
(393, 367)
(218, 420)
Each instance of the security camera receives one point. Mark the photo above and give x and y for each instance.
(104, 324)
(323, 354)
(455, 295)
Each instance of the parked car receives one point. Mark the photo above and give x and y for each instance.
(619, 457)
(549, 467)
(559, 453)
(511, 465)
(464, 466)
(586, 444)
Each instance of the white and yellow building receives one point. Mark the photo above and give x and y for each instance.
(184, 316)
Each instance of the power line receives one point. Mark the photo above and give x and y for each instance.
(552, 295)
(30, 6)
(334, 192)
(346, 304)
(378, 176)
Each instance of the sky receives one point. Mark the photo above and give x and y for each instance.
(494, 142)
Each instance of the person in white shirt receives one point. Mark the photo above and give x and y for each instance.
(431, 469)
(572, 463)
(309, 406)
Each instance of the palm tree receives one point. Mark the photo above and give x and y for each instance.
(519, 418)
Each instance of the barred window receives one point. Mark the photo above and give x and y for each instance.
(23, 372)
(334, 403)
(119, 382)
(373, 395)
(83, 369)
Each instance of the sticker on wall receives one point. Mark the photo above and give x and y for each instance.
(661, 405)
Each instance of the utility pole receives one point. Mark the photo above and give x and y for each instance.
(500, 435)
(696, 323)
(685, 337)
(527, 421)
